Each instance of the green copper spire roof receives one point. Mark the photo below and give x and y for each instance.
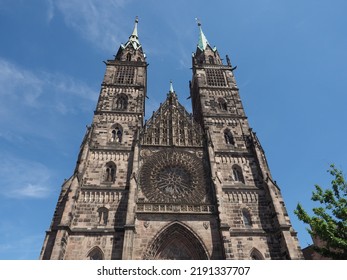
(134, 38)
(203, 43)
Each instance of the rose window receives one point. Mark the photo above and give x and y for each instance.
(174, 180)
(173, 177)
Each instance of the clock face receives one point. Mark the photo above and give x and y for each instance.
(172, 176)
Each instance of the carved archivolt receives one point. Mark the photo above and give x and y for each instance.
(173, 176)
(176, 242)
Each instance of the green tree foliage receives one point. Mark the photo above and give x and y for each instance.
(329, 222)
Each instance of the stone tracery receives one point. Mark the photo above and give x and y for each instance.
(172, 125)
(173, 177)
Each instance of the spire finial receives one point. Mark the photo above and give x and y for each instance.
(134, 34)
(171, 87)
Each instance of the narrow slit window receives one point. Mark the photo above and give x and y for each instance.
(228, 137)
(246, 217)
(237, 174)
(222, 104)
(103, 215)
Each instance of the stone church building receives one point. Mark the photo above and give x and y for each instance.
(178, 186)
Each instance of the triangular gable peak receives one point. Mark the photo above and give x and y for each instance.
(172, 125)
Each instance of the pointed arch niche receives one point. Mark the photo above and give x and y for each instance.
(176, 242)
(237, 174)
(228, 137)
(110, 172)
(246, 217)
(95, 254)
(121, 102)
(116, 133)
(256, 255)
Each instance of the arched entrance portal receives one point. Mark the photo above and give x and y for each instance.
(176, 242)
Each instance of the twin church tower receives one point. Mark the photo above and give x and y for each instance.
(178, 186)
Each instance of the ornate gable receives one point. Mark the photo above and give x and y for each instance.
(172, 125)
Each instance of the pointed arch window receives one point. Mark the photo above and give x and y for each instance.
(228, 137)
(103, 215)
(95, 254)
(210, 59)
(246, 218)
(176, 242)
(128, 57)
(121, 102)
(116, 134)
(256, 255)
(237, 174)
(110, 172)
(222, 104)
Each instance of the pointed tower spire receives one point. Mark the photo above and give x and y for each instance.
(134, 37)
(132, 49)
(202, 44)
(204, 52)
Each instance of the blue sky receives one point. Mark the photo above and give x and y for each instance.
(291, 58)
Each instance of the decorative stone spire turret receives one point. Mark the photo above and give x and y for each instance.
(134, 37)
(132, 49)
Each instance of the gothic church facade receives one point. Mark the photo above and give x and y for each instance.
(178, 186)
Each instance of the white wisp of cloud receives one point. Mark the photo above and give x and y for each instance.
(20, 178)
